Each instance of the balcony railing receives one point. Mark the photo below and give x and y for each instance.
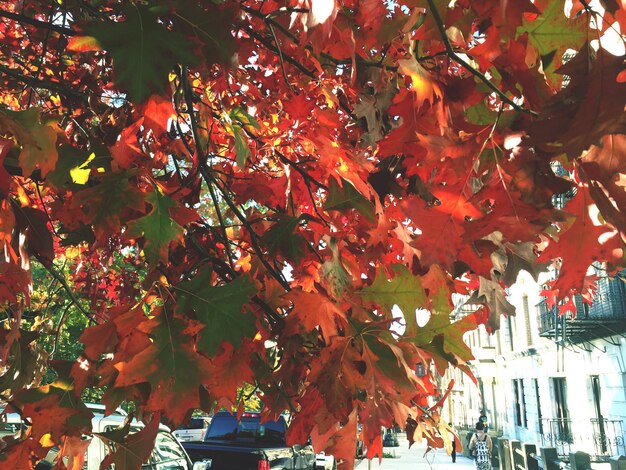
(601, 438)
(605, 317)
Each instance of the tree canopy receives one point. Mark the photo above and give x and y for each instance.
(217, 196)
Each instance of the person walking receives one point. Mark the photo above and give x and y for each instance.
(453, 441)
(480, 446)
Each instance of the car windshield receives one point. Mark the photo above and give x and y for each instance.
(194, 423)
(249, 429)
(167, 454)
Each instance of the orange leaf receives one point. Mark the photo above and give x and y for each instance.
(422, 84)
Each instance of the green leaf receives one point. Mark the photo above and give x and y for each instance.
(345, 198)
(482, 115)
(169, 362)
(209, 25)
(143, 50)
(552, 33)
(37, 140)
(158, 228)
(235, 123)
(280, 238)
(104, 203)
(445, 340)
(391, 363)
(403, 289)
(219, 308)
(240, 115)
(25, 362)
(242, 149)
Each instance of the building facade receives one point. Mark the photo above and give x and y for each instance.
(549, 379)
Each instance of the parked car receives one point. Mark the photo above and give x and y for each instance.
(10, 424)
(390, 438)
(167, 453)
(324, 461)
(360, 443)
(249, 444)
(98, 408)
(193, 431)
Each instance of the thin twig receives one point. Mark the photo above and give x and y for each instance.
(42, 58)
(229, 255)
(59, 277)
(280, 58)
(45, 84)
(591, 11)
(286, 57)
(210, 180)
(58, 330)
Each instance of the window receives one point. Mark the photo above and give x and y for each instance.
(598, 423)
(523, 396)
(521, 419)
(559, 388)
(249, 430)
(517, 403)
(167, 454)
(529, 336)
(509, 322)
(195, 423)
(499, 342)
(539, 415)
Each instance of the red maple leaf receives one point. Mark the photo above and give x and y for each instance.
(579, 244)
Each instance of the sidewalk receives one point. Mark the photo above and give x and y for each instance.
(414, 459)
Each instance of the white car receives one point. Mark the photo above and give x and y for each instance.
(10, 424)
(325, 462)
(194, 431)
(167, 453)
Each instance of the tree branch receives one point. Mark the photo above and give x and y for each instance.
(47, 85)
(59, 277)
(210, 180)
(454, 56)
(276, 51)
(37, 23)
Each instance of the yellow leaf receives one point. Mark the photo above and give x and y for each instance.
(83, 44)
(46, 440)
(80, 174)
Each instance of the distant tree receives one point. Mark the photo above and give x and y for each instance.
(204, 200)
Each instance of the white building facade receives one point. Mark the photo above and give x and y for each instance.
(556, 381)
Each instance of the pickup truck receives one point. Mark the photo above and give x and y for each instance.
(249, 444)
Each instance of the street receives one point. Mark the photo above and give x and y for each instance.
(414, 459)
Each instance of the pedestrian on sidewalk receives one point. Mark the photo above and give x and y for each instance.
(480, 446)
(453, 439)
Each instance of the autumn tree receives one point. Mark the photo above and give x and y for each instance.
(261, 194)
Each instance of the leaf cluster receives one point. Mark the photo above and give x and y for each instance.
(206, 204)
